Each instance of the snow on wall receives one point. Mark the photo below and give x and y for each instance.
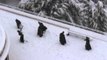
(23, 1)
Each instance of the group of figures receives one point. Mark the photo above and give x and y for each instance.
(42, 28)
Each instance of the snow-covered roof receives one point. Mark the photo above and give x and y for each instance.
(48, 46)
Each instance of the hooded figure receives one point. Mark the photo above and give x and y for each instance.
(62, 38)
(41, 29)
(18, 23)
(87, 45)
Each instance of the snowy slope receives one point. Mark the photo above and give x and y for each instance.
(48, 47)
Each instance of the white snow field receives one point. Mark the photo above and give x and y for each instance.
(2, 39)
(48, 47)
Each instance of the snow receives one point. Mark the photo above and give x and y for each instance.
(2, 39)
(48, 47)
(92, 4)
(100, 4)
(23, 1)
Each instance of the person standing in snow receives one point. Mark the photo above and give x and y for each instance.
(41, 29)
(21, 36)
(62, 38)
(19, 25)
(87, 45)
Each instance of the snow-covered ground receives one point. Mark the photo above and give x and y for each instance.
(2, 39)
(47, 47)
